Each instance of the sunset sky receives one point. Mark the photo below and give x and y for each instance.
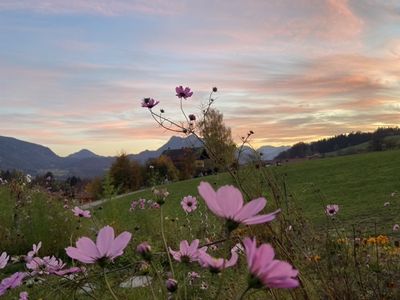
(73, 73)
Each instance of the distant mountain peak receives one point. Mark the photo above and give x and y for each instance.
(84, 153)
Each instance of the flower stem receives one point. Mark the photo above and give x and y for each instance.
(158, 276)
(109, 286)
(244, 293)
(165, 241)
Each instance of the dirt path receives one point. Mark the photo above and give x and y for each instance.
(98, 202)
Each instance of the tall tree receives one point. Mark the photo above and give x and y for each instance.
(126, 175)
(217, 138)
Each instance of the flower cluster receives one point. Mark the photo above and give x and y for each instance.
(143, 204)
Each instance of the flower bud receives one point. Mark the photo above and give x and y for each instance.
(171, 284)
(144, 249)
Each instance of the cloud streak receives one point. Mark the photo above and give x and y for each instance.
(72, 74)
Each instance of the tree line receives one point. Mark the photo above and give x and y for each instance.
(377, 140)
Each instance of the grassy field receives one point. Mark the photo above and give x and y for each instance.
(360, 184)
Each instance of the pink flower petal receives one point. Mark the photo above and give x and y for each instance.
(250, 247)
(87, 247)
(74, 253)
(105, 240)
(232, 261)
(251, 209)
(229, 200)
(265, 256)
(210, 197)
(261, 218)
(193, 246)
(119, 244)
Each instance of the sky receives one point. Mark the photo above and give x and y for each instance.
(73, 73)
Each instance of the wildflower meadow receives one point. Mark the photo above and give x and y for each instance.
(312, 230)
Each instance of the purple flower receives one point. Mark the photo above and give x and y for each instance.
(4, 260)
(149, 102)
(227, 203)
(171, 285)
(81, 213)
(331, 209)
(216, 265)
(396, 227)
(189, 204)
(11, 282)
(106, 247)
(183, 92)
(188, 253)
(23, 296)
(265, 270)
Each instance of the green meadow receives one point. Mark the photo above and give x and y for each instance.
(360, 184)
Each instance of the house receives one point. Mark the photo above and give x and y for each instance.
(198, 156)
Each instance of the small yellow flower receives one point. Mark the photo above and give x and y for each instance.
(382, 240)
(315, 258)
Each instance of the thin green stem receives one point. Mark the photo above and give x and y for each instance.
(158, 276)
(165, 241)
(244, 292)
(108, 285)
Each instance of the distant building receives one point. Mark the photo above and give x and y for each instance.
(198, 156)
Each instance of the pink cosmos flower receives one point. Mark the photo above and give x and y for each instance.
(183, 92)
(11, 282)
(331, 209)
(4, 260)
(142, 203)
(106, 247)
(23, 296)
(149, 102)
(227, 203)
(81, 213)
(189, 204)
(396, 227)
(216, 265)
(188, 253)
(50, 265)
(34, 252)
(193, 276)
(267, 271)
(155, 205)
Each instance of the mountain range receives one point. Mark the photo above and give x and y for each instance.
(37, 159)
